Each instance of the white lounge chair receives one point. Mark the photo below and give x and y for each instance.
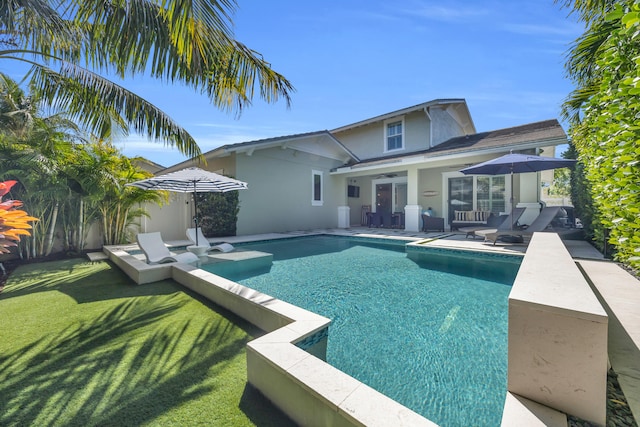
(203, 241)
(157, 252)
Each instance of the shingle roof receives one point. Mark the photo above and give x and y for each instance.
(548, 132)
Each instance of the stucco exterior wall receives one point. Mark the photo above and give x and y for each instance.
(369, 141)
(355, 203)
(431, 180)
(171, 219)
(279, 197)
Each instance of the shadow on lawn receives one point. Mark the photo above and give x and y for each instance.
(83, 281)
(129, 366)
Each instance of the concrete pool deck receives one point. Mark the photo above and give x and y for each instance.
(333, 394)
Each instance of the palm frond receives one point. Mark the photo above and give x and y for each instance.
(35, 26)
(92, 100)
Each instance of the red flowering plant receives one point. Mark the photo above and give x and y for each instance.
(13, 223)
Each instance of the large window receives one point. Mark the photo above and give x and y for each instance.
(491, 194)
(316, 188)
(394, 137)
(482, 192)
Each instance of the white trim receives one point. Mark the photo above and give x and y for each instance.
(402, 134)
(315, 202)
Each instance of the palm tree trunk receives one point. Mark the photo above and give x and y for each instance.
(80, 238)
(52, 226)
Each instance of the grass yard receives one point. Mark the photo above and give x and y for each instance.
(81, 345)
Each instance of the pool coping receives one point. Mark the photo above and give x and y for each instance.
(300, 382)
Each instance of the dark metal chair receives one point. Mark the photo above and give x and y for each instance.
(432, 223)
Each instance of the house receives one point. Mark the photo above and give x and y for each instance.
(400, 162)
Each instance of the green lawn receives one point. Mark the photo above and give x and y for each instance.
(80, 344)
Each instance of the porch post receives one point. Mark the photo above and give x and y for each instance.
(344, 211)
(413, 210)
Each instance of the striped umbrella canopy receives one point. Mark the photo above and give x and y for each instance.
(191, 180)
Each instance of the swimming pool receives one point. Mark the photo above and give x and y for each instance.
(410, 327)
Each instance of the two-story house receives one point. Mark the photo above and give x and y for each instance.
(397, 165)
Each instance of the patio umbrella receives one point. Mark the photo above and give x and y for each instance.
(191, 180)
(517, 163)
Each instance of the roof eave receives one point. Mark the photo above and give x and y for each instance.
(449, 155)
(284, 143)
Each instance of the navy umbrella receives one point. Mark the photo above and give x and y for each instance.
(517, 163)
(191, 180)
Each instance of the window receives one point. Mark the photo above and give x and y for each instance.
(485, 193)
(394, 138)
(491, 194)
(316, 188)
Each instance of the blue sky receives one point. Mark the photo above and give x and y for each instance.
(354, 59)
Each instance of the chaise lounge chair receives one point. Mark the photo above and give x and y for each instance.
(157, 252)
(506, 223)
(542, 221)
(203, 241)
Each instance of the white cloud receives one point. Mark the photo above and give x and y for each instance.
(446, 14)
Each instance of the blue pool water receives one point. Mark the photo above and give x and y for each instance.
(421, 330)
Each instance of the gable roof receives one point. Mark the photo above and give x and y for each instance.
(532, 135)
(468, 125)
(309, 142)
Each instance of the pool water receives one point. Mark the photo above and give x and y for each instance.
(415, 329)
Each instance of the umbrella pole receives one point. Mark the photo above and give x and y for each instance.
(511, 199)
(195, 208)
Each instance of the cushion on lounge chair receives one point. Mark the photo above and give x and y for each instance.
(203, 241)
(157, 252)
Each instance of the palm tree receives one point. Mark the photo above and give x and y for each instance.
(16, 109)
(581, 61)
(121, 205)
(70, 42)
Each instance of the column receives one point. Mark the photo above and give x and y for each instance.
(413, 210)
(344, 213)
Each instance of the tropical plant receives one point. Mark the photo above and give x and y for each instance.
(70, 42)
(120, 206)
(13, 223)
(218, 213)
(604, 111)
(581, 193)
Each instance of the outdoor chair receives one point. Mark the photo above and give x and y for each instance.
(156, 251)
(495, 224)
(541, 223)
(432, 223)
(203, 241)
